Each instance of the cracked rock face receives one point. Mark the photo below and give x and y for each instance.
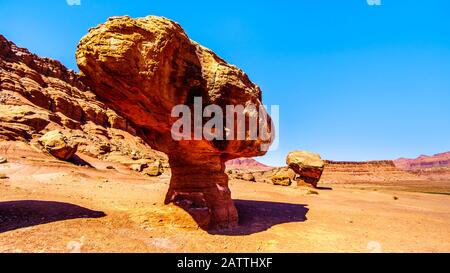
(144, 67)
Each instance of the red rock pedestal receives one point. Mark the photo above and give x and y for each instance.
(143, 68)
(200, 187)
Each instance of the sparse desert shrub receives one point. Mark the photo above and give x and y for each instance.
(395, 198)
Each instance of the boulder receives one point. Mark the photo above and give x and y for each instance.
(58, 145)
(142, 68)
(248, 177)
(309, 167)
(154, 169)
(283, 177)
(3, 160)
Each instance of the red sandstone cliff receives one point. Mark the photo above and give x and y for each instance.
(38, 95)
(424, 162)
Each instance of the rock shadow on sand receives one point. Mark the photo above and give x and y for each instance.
(27, 213)
(259, 216)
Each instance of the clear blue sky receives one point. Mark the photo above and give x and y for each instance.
(353, 81)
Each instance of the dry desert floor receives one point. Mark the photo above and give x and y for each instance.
(52, 206)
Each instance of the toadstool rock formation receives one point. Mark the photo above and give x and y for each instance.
(144, 67)
(309, 167)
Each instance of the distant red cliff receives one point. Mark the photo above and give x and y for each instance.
(367, 171)
(424, 162)
(248, 164)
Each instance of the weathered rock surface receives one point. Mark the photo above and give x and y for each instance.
(248, 177)
(245, 175)
(154, 169)
(58, 145)
(308, 166)
(144, 67)
(283, 177)
(39, 95)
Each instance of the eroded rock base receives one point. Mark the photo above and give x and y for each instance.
(202, 190)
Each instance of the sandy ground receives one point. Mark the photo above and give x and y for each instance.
(51, 206)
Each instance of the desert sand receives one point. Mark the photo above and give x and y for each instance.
(48, 205)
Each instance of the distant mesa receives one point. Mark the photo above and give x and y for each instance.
(381, 171)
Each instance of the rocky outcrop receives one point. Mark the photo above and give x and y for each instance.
(144, 67)
(424, 162)
(241, 175)
(283, 177)
(154, 169)
(308, 166)
(58, 145)
(39, 95)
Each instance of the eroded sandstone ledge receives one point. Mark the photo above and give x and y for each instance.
(39, 95)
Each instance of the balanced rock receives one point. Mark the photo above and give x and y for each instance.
(309, 167)
(142, 68)
(58, 145)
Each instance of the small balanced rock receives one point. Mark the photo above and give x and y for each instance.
(308, 166)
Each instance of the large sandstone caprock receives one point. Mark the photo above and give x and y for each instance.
(144, 67)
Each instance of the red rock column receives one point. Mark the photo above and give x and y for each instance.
(200, 186)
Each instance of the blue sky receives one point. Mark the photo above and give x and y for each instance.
(353, 81)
